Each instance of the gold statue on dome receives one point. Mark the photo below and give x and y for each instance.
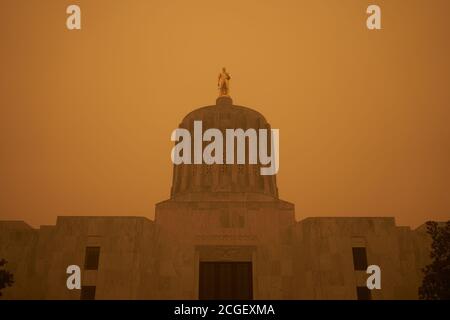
(223, 83)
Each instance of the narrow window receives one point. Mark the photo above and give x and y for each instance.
(359, 259)
(363, 293)
(87, 293)
(91, 258)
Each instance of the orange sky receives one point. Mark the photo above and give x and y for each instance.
(86, 116)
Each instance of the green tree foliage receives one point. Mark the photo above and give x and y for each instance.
(436, 281)
(6, 277)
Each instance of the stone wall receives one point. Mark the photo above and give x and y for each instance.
(324, 259)
(144, 259)
(39, 258)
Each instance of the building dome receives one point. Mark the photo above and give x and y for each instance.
(216, 181)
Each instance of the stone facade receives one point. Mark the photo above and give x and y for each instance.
(218, 213)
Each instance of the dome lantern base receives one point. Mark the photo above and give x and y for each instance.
(224, 101)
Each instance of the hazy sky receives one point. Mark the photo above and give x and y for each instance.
(86, 116)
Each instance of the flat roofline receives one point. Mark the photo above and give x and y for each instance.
(17, 224)
(307, 219)
(102, 217)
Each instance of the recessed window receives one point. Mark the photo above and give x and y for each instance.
(87, 293)
(91, 258)
(359, 259)
(363, 293)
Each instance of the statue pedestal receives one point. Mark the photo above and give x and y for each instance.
(224, 101)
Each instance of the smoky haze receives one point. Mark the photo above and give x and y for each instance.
(86, 115)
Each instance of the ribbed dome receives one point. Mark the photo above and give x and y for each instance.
(202, 179)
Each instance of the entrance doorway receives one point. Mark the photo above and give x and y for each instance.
(225, 281)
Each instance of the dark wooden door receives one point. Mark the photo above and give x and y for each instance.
(226, 281)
